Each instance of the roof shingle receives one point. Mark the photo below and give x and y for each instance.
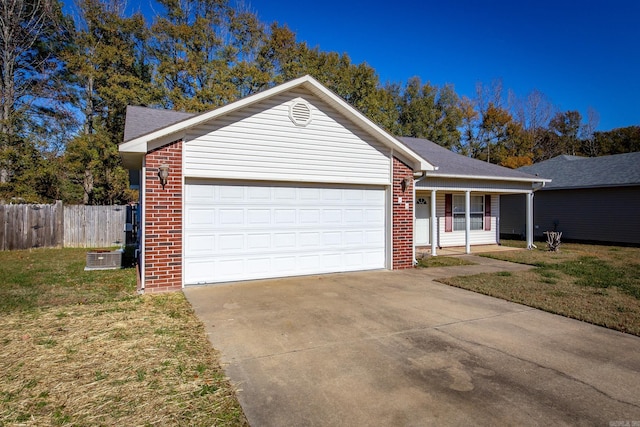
(143, 120)
(584, 172)
(450, 163)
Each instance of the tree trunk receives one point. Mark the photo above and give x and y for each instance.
(87, 185)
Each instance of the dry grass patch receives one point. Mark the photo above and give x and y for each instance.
(126, 360)
(596, 284)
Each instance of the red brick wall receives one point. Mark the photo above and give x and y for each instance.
(402, 217)
(162, 209)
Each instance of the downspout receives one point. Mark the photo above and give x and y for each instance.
(413, 242)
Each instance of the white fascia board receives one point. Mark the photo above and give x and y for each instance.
(140, 144)
(487, 178)
(497, 190)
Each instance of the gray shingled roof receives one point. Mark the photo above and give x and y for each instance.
(585, 172)
(450, 163)
(142, 120)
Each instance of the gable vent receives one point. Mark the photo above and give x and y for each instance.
(300, 113)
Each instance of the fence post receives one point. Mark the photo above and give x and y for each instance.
(3, 227)
(58, 227)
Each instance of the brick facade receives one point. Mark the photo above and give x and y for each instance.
(402, 217)
(163, 221)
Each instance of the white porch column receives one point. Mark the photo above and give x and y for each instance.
(434, 224)
(467, 221)
(530, 220)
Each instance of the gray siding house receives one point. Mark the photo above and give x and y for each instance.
(590, 199)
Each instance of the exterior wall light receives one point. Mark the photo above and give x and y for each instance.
(404, 184)
(163, 174)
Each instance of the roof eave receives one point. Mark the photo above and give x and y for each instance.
(436, 174)
(589, 187)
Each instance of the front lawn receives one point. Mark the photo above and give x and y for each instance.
(596, 284)
(442, 261)
(81, 348)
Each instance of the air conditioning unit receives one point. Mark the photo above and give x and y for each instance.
(104, 260)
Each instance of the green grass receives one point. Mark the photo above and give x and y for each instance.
(442, 261)
(596, 284)
(54, 277)
(82, 348)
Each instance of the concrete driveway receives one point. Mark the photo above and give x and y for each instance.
(398, 349)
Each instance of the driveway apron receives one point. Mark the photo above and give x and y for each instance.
(396, 348)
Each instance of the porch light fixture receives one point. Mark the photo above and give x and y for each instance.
(163, 174)
(404, 184)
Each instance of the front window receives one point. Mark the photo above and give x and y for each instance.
(476, 212)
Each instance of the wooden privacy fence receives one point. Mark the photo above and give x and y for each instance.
(30, 226)
(94, 226)
(33, 226)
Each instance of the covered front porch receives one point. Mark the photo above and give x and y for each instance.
(457, 204)
(452, 220)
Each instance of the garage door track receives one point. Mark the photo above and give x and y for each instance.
(396, 348)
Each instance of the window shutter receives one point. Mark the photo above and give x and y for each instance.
(448, 212)
(487, 212)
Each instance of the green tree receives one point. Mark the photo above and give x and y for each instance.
(109, 63)
(427, 111)
(564, 130)
(208, 54)
(32, 101)
(618, 141)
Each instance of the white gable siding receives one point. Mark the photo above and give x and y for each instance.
(260, 142)
(478, 237)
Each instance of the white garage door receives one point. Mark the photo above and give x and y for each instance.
(241, 232)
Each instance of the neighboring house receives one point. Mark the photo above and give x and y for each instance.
(591, 199)
(295, 181)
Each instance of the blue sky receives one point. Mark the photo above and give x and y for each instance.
(580, 54)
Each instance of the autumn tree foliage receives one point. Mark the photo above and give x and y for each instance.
(66, 81)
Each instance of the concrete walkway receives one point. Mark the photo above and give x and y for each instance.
(395, 348)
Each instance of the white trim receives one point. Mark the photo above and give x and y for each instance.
(142, 222)
(486, 178)
(413, 245)
(476, 190)
(183, 187)
(529, 222)
(140, 144)
(434, 225)
(389, 225)
(467, 220)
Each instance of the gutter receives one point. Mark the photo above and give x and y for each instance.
(435, 174)
(540, 185)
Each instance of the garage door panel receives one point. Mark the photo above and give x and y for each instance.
(196, 217)
(258, 216)
(310, 240)
(332, 216)
(374, 216)
(374, 237)
(231, 217)
(231, 242)
(239, 232)
(258, 241)
(332, 238)
(201, 243)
